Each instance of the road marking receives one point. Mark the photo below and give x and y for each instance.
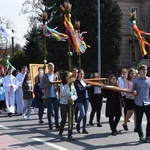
(49, 144)
(3, 127)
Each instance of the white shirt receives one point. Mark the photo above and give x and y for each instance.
(20, 78)
(84, 84)
(97, 90)
(51, 78)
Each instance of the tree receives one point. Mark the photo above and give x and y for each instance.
(19, 59)
(33, 48)
(86, 12)
(110, 35)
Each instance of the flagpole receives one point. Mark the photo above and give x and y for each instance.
(79, 60)
(67, 8)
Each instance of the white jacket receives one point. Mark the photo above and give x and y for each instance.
(64, 93)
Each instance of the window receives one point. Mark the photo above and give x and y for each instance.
(135, 51)
(132, 53)
(143, 24)
(132, 9)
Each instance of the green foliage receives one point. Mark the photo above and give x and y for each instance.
(34, 46)
(110, 35)
(19, 59)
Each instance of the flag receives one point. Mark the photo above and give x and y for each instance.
(4, 30)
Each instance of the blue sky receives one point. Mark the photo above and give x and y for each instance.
(11, 10)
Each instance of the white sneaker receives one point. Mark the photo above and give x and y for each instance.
(24, 116)
(29, 118)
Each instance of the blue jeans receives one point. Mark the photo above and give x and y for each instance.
(55, 102)
(139, 111)
(83, 107)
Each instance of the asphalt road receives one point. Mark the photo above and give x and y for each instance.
(29, 132)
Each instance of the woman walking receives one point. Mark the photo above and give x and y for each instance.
(130, 99)
(38, 101)
(96, 101)
(67, 96)
(82, 100)
(27, 96)
(113, 105)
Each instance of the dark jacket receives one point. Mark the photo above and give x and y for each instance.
(114, 103)
(81, 91)
(91, 93)
(38, 101)
(27, 95)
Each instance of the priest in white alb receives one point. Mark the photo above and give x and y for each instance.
(20, 78)
(10, 85)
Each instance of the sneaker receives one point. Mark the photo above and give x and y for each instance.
(57, 127)
(78, 128)
(135, 130)
(41, 122)
(91, 123)
(9, 114)
(50, 128)
(148, 139)
(99, 125)
(142, 140)
(113, 133)
(70, 138)
(85, 131)
(24, 116)
(116, 131)
(29, 118)
(125, 127)
(60, 136)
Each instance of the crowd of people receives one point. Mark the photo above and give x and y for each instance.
(17, 96)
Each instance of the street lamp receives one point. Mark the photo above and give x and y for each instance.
(99, 39)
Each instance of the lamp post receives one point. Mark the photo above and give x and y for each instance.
(99, 39)
(12, 44)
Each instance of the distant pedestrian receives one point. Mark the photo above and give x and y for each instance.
(2, 91)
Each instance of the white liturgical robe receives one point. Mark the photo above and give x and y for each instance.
(20, 101)
(10, 85)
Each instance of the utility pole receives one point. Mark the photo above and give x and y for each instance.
(99, 39)
(12, 44)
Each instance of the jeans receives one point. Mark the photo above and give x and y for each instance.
(55, 102)
(83, 107)
(139, 111)
(27, 106)
(40, 113)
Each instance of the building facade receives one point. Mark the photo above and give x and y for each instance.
(131, 54)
